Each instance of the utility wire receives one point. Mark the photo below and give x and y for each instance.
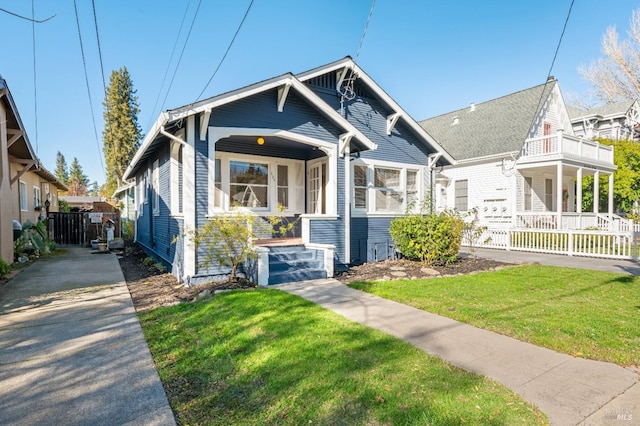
(26, 18)
(86, 79)
(95, 21)
(166, 72)
(364, 33)
(555, 55)
(226, 52)
(175, 71)
(35, 86)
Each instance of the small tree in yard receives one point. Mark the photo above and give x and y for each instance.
(226, 240)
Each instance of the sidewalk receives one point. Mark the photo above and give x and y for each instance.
(72, 350)
(569, 390)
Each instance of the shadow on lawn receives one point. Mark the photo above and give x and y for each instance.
(266, 355)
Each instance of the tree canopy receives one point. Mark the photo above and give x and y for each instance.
(616, 76)
(78, 181)
(62, 174)
(122, 133)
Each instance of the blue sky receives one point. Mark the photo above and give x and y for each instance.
(430, 56)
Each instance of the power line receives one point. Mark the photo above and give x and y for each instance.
(166, 72)
(86, 79)
(95, 21)
(175, 71)
(36, 21)
(35, 86)
(366, 25)
(226, 52)
(555, 55)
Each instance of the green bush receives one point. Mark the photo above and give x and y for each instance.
(431, 238)
(5, 268)
(33, 241)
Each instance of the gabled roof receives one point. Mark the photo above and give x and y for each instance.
(348, 63)
(617, 109)
(489, 128)
(288, 81)
(20, 150)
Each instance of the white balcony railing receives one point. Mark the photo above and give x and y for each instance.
(561, 144)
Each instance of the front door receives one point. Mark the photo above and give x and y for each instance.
(317, 187)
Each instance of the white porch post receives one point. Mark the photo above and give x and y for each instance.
(559, 195)
(596, 192)
(189, 196)
(579, 192)
(611, 196)
(347, 204)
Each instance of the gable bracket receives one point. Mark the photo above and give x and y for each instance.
(343, 142)
(16, 135)
(24, 170)
(341, 76)
(283, 91)
(204, 123)
(433, 160)
(391, 121)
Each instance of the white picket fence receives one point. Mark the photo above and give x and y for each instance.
(603, 244)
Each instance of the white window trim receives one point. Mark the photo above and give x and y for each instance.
(370, 210)
(272, 185)
(37, 196)
(175, 176)
(22, 192)
(139, 195)
(155, 185)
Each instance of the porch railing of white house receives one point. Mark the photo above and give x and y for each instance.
(560, 143)
(572, 242)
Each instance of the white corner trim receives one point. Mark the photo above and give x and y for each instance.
(204, 123)
(283, 92)
(189, 196)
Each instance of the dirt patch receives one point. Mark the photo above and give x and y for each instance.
(151, 288)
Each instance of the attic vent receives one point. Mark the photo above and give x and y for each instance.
(455, 121)
(472, 107)
(326, 81)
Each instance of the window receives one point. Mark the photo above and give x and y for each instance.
(462, 197)
(317, 188)
(548, 194)
(156, 187)
(283, 187)
(176, 178)
(37, 199)
(387, 188)
(412, 189)
(24, 206)
(360, 187)
(140, 189)
(249, 184)
(217, 196)
(548, 142)
(528, 186)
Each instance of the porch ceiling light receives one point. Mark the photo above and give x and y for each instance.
(260, 141)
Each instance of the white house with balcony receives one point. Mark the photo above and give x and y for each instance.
(519, 164)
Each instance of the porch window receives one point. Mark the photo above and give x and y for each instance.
(283, 187)
(217, 196)
(388, 192)
(548, 141)
(462, 196)
(528, 186)
(249, 185)
(412, 189)
(360, 187)
(23, 197)
(317, 188)
(37, 200)
(548, 194)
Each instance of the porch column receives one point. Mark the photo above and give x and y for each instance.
(6, 227)
(347, 204)
(611, 196)
(579, 191)
(596, 192)
(189, 196)
(559, 195)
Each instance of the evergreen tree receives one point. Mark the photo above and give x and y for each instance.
(78, 181)
(122, 134)
(61, 168)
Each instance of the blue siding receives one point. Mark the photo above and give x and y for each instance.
(370, 239)
(260, 111)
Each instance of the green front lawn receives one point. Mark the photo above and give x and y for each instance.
(589, 314)
(268, 357)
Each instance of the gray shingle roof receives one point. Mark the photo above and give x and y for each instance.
(493, 127)
(615, 109)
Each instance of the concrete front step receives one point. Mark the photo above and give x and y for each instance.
(297, 275)
(294, 263)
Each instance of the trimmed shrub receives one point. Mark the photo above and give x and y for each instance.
(432, 238)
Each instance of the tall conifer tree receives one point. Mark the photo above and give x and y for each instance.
(78, 181)
(121, 135)
(61, 168)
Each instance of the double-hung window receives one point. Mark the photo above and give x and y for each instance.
(156, 187)
(283, 187)
(24, 206)
(412, 189)
(37, 199)
(249, 184)
(360, 186)
(388, 191)
(462, 195)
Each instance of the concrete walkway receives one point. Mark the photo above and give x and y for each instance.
(569, 390)
(71, 348)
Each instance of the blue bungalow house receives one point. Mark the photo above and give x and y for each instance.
(327, 146)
